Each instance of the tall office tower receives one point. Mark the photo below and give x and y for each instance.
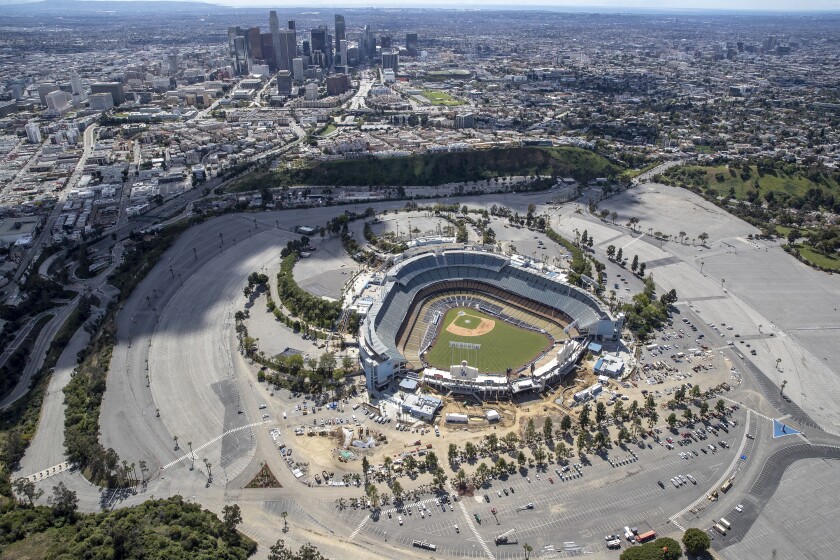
(292, 25)
(411, 44)
(319, 43)
(237, 49)
(76, 83)
(297, 67)
(370, 44)
(33, 133)
(269, 57)
(273, 21)
(342, 53)
(340, 34)
(391, 60)
(288, 49)
(385, 42)
(284, 82)
(274, 28)
(172, 62)
(254, 44)
(307, 48)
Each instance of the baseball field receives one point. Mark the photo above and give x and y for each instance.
(502, 345)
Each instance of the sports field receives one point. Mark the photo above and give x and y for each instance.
(502, 344)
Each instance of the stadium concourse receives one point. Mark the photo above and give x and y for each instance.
(414, 294)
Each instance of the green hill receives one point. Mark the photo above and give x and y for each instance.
(437, 169)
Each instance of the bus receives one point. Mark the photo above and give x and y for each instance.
(725, 523)
(645, 537)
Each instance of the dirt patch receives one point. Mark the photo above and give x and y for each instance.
(483, 327)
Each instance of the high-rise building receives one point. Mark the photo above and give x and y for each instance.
(274, 29)
(367, 45)
(269, 56)
(172, 61)
(33, 133)
(44, 90)
(319, 43)
(342, 53)
(287, 41)
(284, 82)
(79, 94)
(254, 44)
(411, 44)
(385, 42)
(114, 88)
(338, 84)
(391, 60)
(292, 25)
(340, 33)
(307, 48)
(238, 50)
(464, 120)
(297, 68)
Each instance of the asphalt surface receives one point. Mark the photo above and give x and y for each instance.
(179, 322)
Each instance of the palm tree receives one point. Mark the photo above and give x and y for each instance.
(285, 525)
(528, 548)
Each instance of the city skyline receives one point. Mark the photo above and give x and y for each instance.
(603, 6)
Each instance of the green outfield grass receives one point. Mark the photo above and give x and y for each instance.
(506, 346)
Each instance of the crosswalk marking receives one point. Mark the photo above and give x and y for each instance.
(475, 531)
(212, 441)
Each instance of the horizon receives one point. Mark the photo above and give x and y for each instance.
(700, 7)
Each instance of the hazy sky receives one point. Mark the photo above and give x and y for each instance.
(612, 5)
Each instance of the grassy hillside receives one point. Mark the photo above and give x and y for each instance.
(785, 184)
(436, 169)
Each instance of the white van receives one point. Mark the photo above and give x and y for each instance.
(725, 523)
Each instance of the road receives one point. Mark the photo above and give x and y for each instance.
(179, 322)
(46, 231)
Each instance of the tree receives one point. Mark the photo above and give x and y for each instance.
(539, 455)
(635, 264)
(696, 541)
(279, 551)
(25, 487)
(440, 478)
(566, 423)
(642, 267)
(365, 466)
(671, 549)
(619, 255)
(284, 514)
(64, 501)
(471, 451)
(461, 479)
(703, 237)
(231, 517)
(431, 461)
(521, 459)
(720, 406)
(704, 409)
(452, 453)
(397, 490)
(610, 251)
(493, 442)
(530, 431)
(528, 549)
(600, 413)
(584, 416)
(671, 420)
(548, 429)
(373, 495)
(511, 439)
(687, 414)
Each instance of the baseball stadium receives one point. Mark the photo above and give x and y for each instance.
(467, 320)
